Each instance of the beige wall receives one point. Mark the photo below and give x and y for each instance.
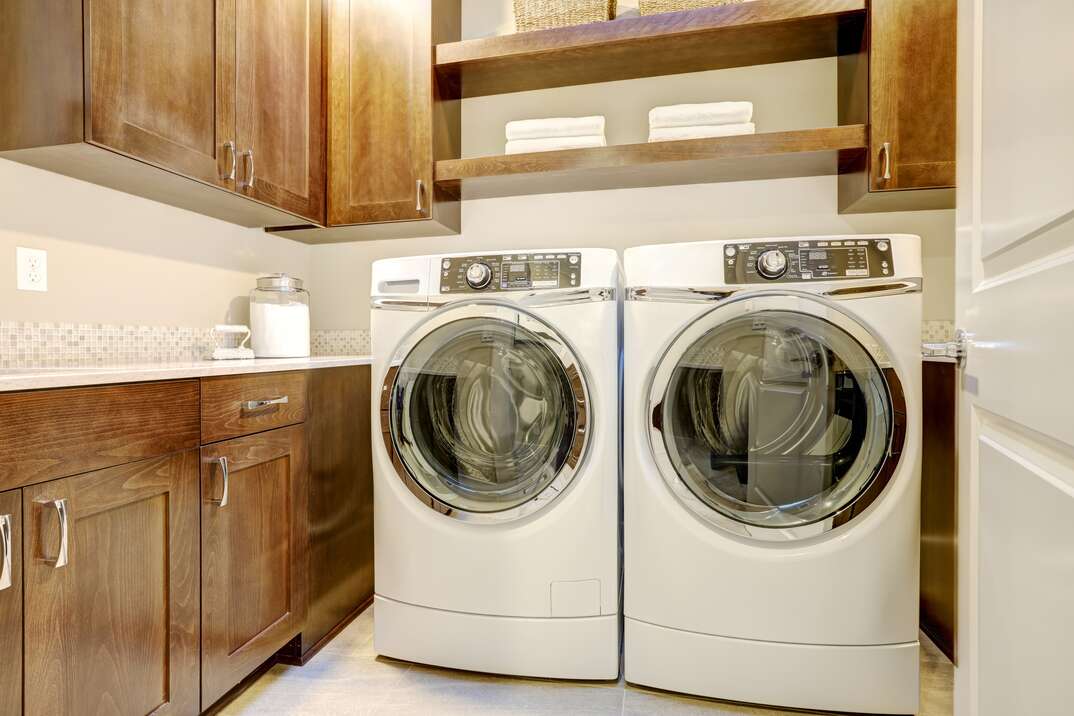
(119, 259)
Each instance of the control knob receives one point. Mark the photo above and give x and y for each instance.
(772, 264)
(478, 275)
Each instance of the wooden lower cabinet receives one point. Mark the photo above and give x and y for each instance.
(11, 602)
(254, 558)
(111, 590)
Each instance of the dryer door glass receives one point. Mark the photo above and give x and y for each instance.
(485, 414)
(777, 419)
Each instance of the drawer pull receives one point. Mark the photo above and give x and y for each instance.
(60, 560)
(258, 404)
(226, 474)
(885, 149)
(5, 552)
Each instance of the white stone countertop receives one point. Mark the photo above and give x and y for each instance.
(12, 379)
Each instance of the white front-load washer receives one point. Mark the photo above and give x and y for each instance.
(496, 461)
(771, 470)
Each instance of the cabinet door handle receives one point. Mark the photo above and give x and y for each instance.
(5, 552)
(420, 204)
(230, 148)
(226, 474)
(885, 149)
(258, 404)
(248, 163)
(60, 560)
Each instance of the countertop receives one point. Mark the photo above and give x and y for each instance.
(12, 379)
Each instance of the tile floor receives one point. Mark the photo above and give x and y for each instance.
(347, 677)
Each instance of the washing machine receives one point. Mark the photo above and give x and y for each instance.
(772, 470)
(496, 461)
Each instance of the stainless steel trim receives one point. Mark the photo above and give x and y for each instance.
(955, 349)
(876, 287)
(420, 208)
(60, 506)
(885, 149)
(679, 295)
(573, 367)
(230, 146)
(5, 552)
(843, 291)
(529, 299)
(225, 473)
(251, 405)
(248, 161)
(746, 304)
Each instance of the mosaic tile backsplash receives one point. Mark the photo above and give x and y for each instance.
(61, 345)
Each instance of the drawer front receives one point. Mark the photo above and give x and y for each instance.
(236, 405)
(57, 433)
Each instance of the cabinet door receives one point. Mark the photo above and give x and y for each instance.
(112, 590)
(254, 553)
(912, 94)
(154, 90)
(11, 602)
(279, 108)
(379, 111)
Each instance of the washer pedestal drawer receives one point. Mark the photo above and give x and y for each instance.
(862, 679)
(552, 648)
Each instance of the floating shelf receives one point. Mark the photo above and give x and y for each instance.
(773, 155)
(751, 33)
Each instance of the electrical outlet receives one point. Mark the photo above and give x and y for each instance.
(32, 268)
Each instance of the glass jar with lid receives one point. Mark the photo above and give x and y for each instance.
(280, 317)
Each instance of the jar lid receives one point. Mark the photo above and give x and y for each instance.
(279, 282)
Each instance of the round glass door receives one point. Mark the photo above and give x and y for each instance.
(774, 418)
(487, 413)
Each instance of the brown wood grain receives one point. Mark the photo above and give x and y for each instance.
(756, 156)
(750, 33)
(116, 630)
(11, 611)
(57, 433)
(223, 415)
(939, 506)
(341, 499)
(279, 107)
(254, 554)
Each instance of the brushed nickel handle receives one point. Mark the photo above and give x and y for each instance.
(5, 552)
(230, 148)
(226, 474)
(420, 204)
(258, 404)
(248, 162)
(60, 560)
(885, 149)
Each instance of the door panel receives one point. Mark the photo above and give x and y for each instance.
(254, 553)
(115, 628)
(11, 602)
(379, 110)
(279, 113)
(153, 90)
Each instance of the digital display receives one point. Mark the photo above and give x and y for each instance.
(530, 274)
(818, 255)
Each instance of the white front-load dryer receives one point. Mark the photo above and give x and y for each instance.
(496, 461)
(771, 470)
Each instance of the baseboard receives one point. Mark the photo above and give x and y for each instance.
(290, 654)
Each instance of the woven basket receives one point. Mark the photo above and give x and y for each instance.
(655, 7)
(544, 14)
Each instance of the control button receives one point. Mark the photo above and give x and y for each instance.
(447, 263)
(730, 251)
(573, 259)
(881, 246)
(837, 243)
(821, 244)
(478, 275)
(884, 264)
(772, 264)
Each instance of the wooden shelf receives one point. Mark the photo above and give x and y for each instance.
(773, 155)
(751, 33)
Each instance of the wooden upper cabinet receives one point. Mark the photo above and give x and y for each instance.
(279, 103)
(111, 590)
(254, 559)
(11, 602)
(912, 95)
(154, 92)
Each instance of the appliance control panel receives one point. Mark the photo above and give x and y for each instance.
(510, 272)
(807, 260)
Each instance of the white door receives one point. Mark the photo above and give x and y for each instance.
(1016, 298)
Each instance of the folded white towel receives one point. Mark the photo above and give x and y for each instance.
(521, 146)
(667, 134)
(692, 115)
(555, 127)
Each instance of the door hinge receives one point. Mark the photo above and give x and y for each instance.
(948, 349)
